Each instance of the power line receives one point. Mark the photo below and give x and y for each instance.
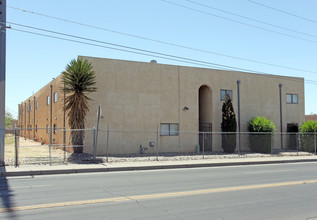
(127, 47)
(163, 56)
(158, 41)
(251, 19)
(285, 12)
(239, 22)
(10, 110)
(112, 48)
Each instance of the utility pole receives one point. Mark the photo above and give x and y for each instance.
(2, 76)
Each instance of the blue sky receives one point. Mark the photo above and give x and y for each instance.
(216, 26)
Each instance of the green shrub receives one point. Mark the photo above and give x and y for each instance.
(259, 141)
(307, 139)
(261, 124)
(228, 124)
(308, 126)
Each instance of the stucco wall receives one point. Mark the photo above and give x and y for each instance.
(137, 97)
(141, 96)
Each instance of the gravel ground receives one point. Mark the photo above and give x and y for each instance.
(33, 153)
(87, 158)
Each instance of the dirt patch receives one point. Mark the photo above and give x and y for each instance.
(30, 151)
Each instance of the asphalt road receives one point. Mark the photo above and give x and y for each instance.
(283, 191)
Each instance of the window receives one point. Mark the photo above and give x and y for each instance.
(48, 100)
(168, 129)
(36, 128)
(37, 105)
(291, 98)
(30, 107)
(292, 127)
(47, 129)
(224, 93)
(54, 129)
(55, 97)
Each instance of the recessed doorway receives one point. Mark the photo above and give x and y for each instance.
(205, 118)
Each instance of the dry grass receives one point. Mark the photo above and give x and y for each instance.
(31, 152)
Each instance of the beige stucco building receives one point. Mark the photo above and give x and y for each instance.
(138, 99)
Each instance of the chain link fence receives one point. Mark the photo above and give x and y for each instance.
(133, 143)
(54, 146)
(41, 145)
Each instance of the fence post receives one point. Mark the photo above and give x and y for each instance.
(297, 143)
(64, 143)
(239, 143)
(94, 143)
(203, 145)
(49, 146)
(107, 142)
(315, 141)
(157, 140)
(16, 148)
(271, 142)
(97, 131)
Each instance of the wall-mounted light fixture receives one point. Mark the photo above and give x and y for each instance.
(185, 108)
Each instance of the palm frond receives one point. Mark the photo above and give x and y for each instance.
(79, 80)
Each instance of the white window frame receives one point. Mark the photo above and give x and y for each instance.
(48, 100)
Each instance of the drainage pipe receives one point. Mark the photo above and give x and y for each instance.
(239, 125)
(281, 115)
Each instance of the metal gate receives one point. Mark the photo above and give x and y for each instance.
(205, 139)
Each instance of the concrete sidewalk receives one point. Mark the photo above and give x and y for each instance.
(30, 170)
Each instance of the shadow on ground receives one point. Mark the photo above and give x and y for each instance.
(6, 196)
(83, 158)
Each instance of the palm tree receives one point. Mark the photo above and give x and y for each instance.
(79, 80)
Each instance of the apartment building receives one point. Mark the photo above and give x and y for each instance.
(176, 100)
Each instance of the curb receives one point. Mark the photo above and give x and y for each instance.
(151, 167)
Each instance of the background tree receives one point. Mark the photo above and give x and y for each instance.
(9, 120)
(79, 81)
(228, 124)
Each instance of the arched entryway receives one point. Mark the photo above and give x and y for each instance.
(205, 117)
